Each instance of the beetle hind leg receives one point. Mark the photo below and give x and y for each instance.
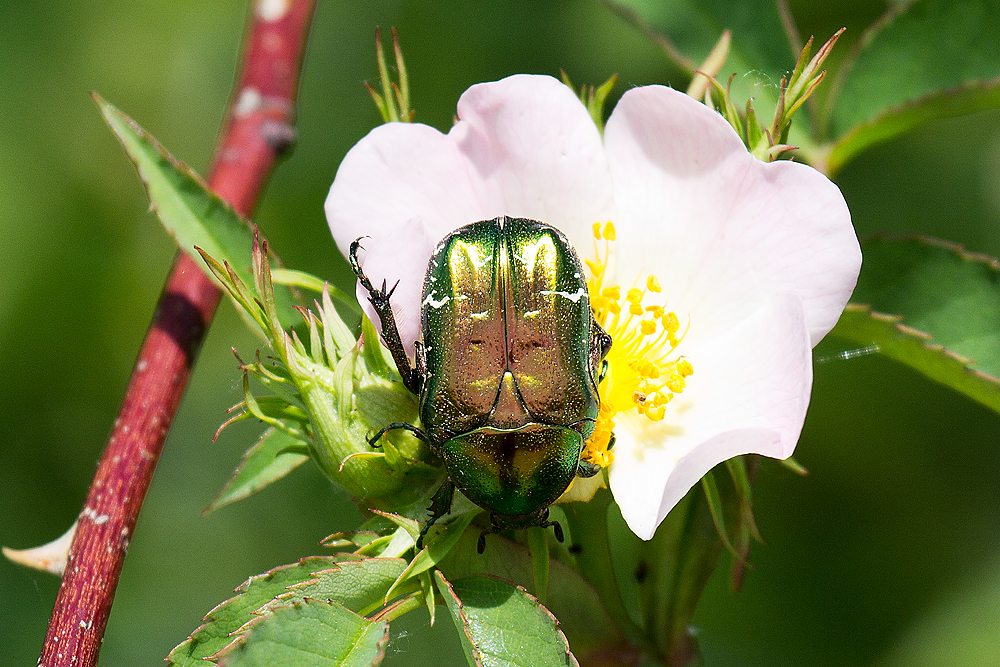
(379, 298)
(556, 528)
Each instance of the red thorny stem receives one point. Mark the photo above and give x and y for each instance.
(258, 128)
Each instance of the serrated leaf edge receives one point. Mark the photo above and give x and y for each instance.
(209, 618)
(834, 161)
(240, 639)
(531, 598)
(922, 336)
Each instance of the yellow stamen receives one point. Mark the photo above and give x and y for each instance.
(643, 372)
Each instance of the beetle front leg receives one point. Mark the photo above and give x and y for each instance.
(379, 299)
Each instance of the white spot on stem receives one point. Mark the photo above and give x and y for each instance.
(272, 10)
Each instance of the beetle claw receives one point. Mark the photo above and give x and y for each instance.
(390, 333)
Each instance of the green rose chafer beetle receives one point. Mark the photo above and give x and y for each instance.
(508, 368)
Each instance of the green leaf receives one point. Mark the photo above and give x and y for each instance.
(859, 325)
(226, 619)
(760, 51)
(438, 544)
(190, 212)
(934, 59)
(571, 598)
(973, 96)
(501, 624)
(311, 633)
(943, 312)
(360, 585)
(267, 461)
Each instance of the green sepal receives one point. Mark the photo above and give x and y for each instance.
(538, 545)
(571, 597)
(715, 508)
(594, 98)
(267, 461)
(393, 103)
(437, 545)
(373, 349)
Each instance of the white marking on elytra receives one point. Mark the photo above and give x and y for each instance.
(429, 300)
(580, 293)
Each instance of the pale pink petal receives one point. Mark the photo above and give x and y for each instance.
(721, 229)
(535, 148)
(400, 258)
(399, 172)
(524, 147)
(748, 394)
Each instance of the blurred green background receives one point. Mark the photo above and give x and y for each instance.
(887, 554)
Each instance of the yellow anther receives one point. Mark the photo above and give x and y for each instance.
(643, 371)
(649, 370)
(675, 383)
(662, 399)
(656, 413)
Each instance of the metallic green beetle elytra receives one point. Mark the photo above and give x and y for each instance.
(507, 369)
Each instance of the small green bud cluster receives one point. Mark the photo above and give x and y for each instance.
(767, 143)
(330, 395)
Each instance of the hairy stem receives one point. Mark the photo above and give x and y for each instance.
(258, 129)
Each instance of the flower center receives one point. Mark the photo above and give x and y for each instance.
(643, 374)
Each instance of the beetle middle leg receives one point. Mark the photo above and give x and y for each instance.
(379, 299)
(406, 427)
(440, 505)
